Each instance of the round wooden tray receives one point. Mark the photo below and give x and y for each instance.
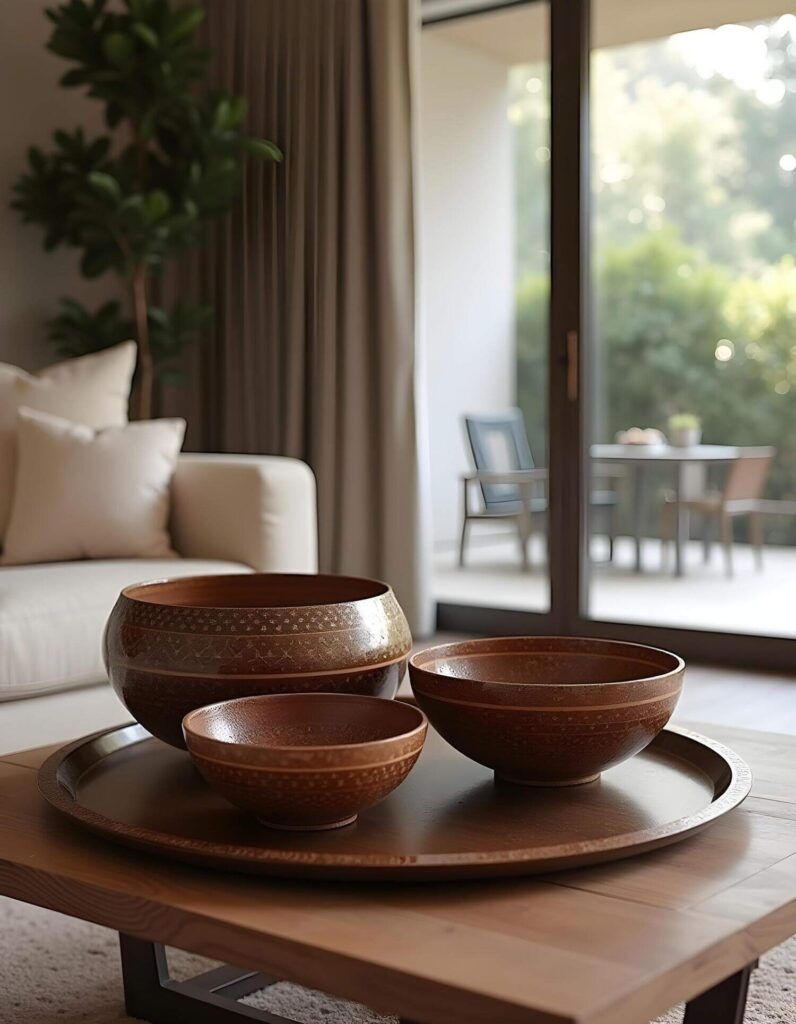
(450, 819)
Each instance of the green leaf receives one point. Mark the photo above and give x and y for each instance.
(133, 202)
(99, 149)
(262, 149)
(237, 110)
(77, 76)
(105, 184)
(173, 377)
(37, 160)
(222, 113)
(147, 35)
(156, 205)
(118, 48)
(52, 238)
(183, 22)
(76, 331)
(67, 43)
(97, 261)
(147, 124)
(114, 112)
(157, 315)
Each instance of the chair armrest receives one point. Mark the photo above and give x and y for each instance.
(510, 476)
(256, 509)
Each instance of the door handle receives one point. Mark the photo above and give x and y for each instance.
(573, 368)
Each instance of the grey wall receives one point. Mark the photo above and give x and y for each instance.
(31, 106)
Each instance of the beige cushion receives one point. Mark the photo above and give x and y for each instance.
(92, 389)
(255, 509)
(52, 618)
(82, 493)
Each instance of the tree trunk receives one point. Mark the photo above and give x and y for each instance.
(146, 370)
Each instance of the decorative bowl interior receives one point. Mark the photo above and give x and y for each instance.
(305, 760)
(552, 711)
(174, 645)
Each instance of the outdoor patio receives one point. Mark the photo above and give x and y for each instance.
(750, 602)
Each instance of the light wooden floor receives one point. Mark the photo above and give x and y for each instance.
(738, 697)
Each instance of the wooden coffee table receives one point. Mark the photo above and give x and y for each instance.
(613, 944)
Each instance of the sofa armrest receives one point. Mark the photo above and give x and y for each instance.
(256, 509)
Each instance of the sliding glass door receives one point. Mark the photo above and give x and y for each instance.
(627, 282)
(692, 399)
(484, 118)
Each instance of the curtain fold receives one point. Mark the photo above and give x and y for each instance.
(312, 277)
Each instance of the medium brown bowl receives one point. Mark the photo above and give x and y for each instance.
(175, 645)
(547, 711)
(305, 761)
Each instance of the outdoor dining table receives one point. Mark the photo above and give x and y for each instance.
(638, 457)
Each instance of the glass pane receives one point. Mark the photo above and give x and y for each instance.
(484, 265)
(694, 313)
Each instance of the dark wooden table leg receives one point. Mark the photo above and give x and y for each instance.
(210, 998)
(725, 1003)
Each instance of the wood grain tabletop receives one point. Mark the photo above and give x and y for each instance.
(613, 944)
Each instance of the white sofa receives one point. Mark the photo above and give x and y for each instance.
(230, 513)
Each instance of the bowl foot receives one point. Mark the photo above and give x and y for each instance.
(547, 784)
(309, 828)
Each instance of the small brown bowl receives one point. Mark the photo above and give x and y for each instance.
(547, 711)
(174, 645)
(305, 761)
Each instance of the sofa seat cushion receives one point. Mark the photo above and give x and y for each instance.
(52, 617)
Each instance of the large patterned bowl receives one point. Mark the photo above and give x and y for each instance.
(175, 645)
(549, 711)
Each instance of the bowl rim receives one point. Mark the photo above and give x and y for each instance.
(381, 589)
(188, 729)
(439, 654)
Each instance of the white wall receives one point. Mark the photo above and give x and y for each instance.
(31, 106)
(466, 255)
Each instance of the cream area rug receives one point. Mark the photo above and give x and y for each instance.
(55, 970)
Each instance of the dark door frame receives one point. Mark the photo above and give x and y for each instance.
(570, 55)
(570, 354)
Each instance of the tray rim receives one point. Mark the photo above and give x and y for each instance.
(384, 866)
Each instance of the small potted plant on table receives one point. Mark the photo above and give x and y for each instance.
(685, 430)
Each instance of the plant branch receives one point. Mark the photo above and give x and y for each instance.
(146, 369)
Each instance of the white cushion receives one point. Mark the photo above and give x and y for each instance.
(83, 493)
(52, 617)
(92, 389)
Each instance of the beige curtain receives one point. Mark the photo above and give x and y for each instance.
(312, 277)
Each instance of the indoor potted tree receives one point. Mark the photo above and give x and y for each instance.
(136, 197)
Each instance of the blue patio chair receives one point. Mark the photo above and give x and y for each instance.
(511, 487)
